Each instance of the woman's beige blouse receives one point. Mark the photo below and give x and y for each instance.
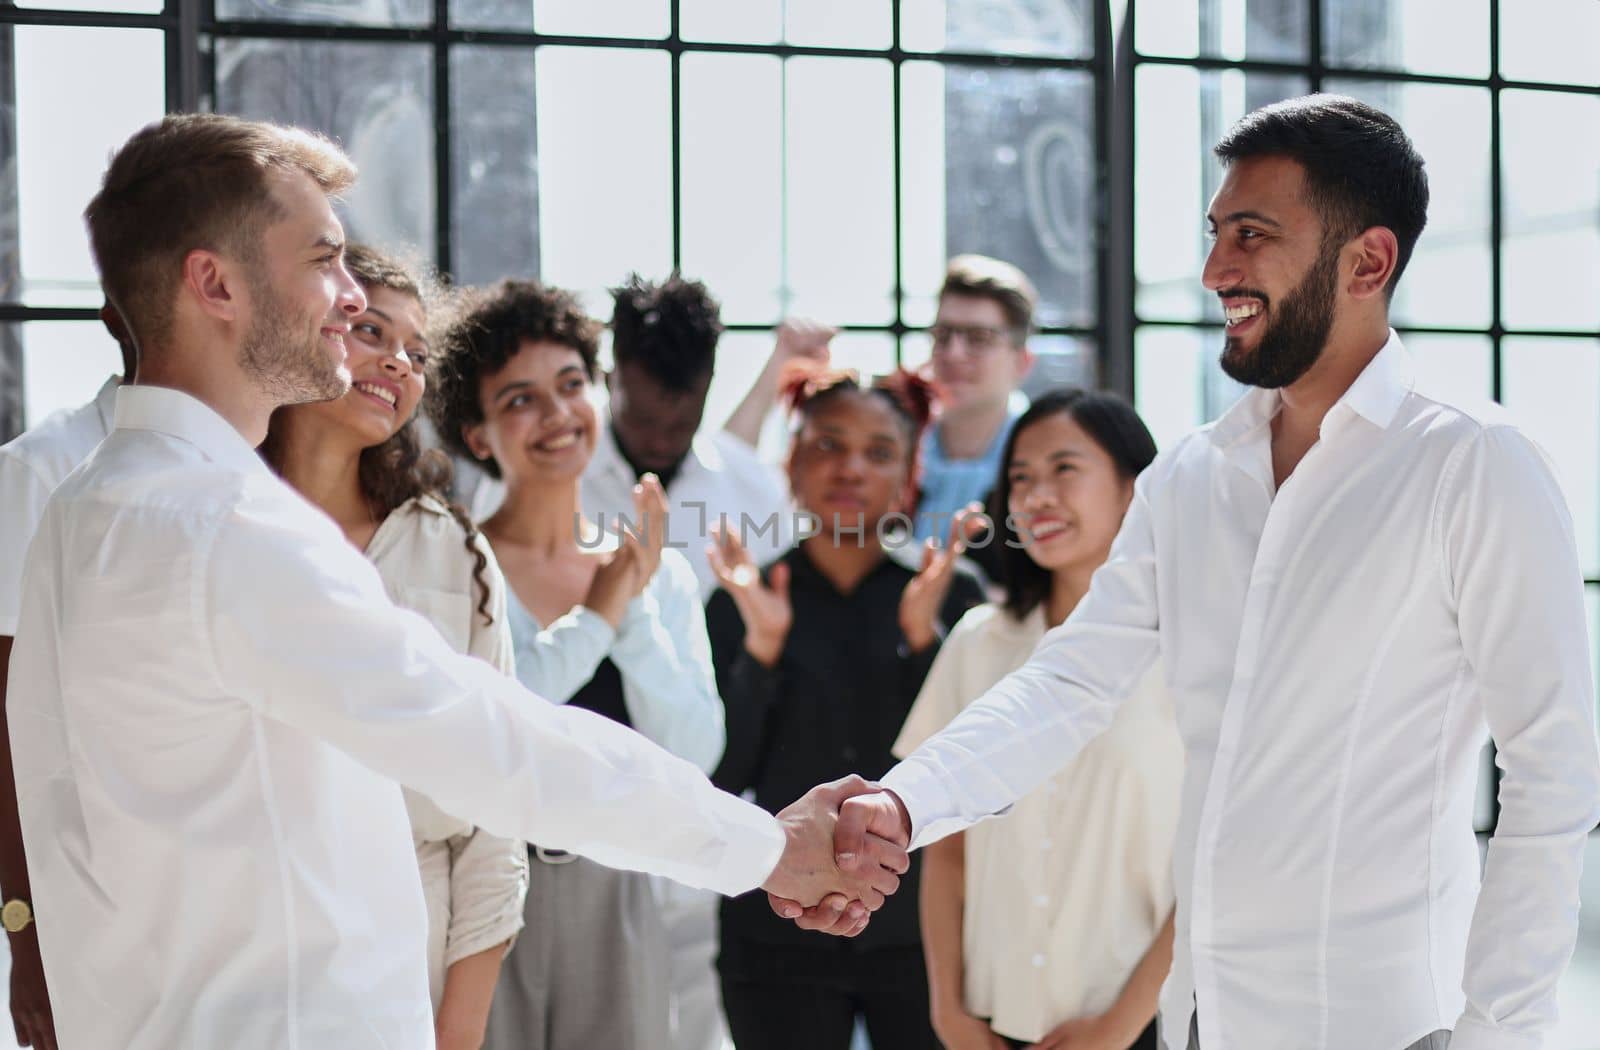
(1065, 893)
(474, 882)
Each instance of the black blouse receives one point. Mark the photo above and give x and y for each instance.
(832, 706)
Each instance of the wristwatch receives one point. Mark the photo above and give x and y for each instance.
(15, 915)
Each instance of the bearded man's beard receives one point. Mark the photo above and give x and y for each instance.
(290, 365)
(1295, 334)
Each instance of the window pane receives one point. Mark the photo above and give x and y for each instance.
(1550, 40)
(1456, 369)
(644, 19)
(374, 99)
(1179, 115)
(1552, 387)
(641, 18)
(869, 353)
(838, 23)
(1448, 281)
(1011, 175)
(605, 185)
(64, 364)
(731, 152)
(1059, 361)
(1551, 210)
(492, 14)
(121, 7)
(494, 164)
(48, 177)
(1177, 382)
(1236, 29)
(1449, 37)
(332, 12)
(840, 180)
(735, 21)
(1039, 27)
(740, 358)
(813, 23)
(916, 351)
(1591, 606)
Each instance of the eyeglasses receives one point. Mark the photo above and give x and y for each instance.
(979, 338)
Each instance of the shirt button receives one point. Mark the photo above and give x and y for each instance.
(849, 754)
(1042, 900)
(1044, 843)
(1038, 962)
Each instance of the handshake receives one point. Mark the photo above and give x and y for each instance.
(845, 848)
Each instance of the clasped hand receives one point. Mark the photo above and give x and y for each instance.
(844, 852)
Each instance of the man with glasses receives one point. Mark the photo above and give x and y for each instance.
(980, 356)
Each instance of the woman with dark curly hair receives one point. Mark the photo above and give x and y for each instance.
(360, 459)
(819, 657)
(611, 623)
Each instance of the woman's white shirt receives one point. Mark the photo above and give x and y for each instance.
(660, 650)
(1066, 892)
(474, 882)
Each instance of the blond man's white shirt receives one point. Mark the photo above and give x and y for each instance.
(212, 702)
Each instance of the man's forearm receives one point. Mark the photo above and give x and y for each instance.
(746, 420)
(13, 860)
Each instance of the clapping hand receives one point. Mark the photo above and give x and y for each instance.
(625, 573)
(924, 596)
(840, 861)
(764, 607)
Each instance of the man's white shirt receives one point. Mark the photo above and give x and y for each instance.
(211, 701)
(30, 469)
(1334, 649)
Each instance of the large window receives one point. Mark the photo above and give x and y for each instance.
(815, 157)
(824, 157)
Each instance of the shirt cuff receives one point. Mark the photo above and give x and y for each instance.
(755, 846)
(924, 797)
(1470, 1035)
(588, 624)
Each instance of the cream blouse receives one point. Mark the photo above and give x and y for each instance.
(474, 882)
(1066, 892)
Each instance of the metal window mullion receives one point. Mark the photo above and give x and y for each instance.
(1496, 216)
(897, 161)
(1128, 92)
(674, 41)
(1316, 70)
(443, 185)
(1114, 356)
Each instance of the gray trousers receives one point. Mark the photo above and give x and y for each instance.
(589, 970)
(1439, 1040)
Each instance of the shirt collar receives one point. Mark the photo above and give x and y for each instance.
(933, 441)
(105, 402)
(164, 410)
(1375, 396)
(1253, 410)
(1378, 391)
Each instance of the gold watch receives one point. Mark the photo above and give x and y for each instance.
(15, 915)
